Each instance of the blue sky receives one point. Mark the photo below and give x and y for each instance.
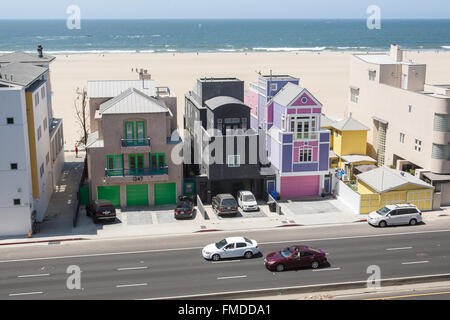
(176, 9)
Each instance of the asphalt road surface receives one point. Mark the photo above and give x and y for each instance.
(163, 267)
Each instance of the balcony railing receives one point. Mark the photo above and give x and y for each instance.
(135, 142)
(136, 172)
(313, 135)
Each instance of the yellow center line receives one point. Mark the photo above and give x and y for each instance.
(410, 295)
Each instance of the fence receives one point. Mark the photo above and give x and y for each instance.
(351, 198)
(83, 177)
(201, 208)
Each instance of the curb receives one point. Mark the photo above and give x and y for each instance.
(289, 225)
(361, 220)
(252, 294)
(207, 230)
(41, 241)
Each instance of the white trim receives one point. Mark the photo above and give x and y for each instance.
(304, 173)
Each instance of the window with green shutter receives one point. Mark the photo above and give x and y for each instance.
(114, 165)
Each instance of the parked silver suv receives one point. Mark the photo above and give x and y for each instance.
(395, 214)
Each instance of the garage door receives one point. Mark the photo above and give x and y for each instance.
(165, 193)
(291, 187)
(111, 193)
(422, 199)
(137, 195)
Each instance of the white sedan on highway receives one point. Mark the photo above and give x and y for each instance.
(231, 248)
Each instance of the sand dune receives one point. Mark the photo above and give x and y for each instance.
(325, 74)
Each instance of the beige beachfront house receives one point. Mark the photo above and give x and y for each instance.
(130, 146)
(409, 120)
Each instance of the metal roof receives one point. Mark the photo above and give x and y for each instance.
(133, 101)
(287, 94)
(93, 142)
(112, 88)
(352, 158)
(385, 179)
(24, 57)
(349, 124)
(326, 122)
(22, 74)
(219, 101)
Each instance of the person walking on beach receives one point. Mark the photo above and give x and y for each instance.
(76, 151)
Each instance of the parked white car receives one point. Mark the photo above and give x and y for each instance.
(395, 214)
(247, 201)
(231, 248)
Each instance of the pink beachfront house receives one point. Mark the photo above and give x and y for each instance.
(297, 148)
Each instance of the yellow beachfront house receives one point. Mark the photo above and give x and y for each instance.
(348, 145)
(383, 186)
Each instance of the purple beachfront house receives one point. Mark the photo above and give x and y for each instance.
(297, 148)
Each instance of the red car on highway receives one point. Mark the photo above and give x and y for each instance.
(295, 257)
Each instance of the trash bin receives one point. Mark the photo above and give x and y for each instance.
(273, 206)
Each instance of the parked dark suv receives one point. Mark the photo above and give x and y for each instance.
(225, 204)
(101, 210)
(185, 208)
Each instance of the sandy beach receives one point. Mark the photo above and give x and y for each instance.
(324, 74)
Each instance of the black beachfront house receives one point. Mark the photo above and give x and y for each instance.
(217, 103)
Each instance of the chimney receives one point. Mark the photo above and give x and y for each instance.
(39, 50)
(396, 53)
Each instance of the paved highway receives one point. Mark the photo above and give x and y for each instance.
(159, 267)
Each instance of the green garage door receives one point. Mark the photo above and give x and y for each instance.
(165, 193)
(111, 193)
(137, 195)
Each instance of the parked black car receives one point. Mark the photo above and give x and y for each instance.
(185, 208)
(225, 204)
(101, 210)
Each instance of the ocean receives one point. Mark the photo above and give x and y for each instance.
(134, 36)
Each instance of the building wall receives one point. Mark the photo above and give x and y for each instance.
(15, 184)
(350, 142)
(392, 104)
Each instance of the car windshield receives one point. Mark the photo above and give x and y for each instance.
(228, 202)
(221, 244)
(286, 252)
(383, 211)
(248, 197)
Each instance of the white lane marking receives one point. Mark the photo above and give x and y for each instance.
(327, 269)
(131, 285)
(415, 262)
(24, 293)
(132, 268)
(195, 248)
(34, 275)
(232, 277)
(403, 248)
(228, 261)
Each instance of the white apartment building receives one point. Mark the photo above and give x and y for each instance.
(409, 119)
(31, 141)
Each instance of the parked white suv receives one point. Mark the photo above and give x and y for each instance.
(247, 201)
(395, 214)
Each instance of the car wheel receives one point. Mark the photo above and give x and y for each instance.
(382, 224)
(280, 267)
(412, 222)
(315, 264)
(248, 255)
(215, 257)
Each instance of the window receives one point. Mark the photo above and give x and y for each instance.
(45, 124)
(41, 170)
(114, 164)
(39, 133)
(13, 166)
(219, 124)
(230, 246)
(47, 158)
(283, 122)
(402, 137)
(305, 155)
(43, 92)
(273, 87)
(17, 202)
(418, 145)
(304, 100)
(244, 123)
(234, 161)
(241, 245)
(9, 120)
(36, 99)
(410, 108)
(354, 94)
(372, 75)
